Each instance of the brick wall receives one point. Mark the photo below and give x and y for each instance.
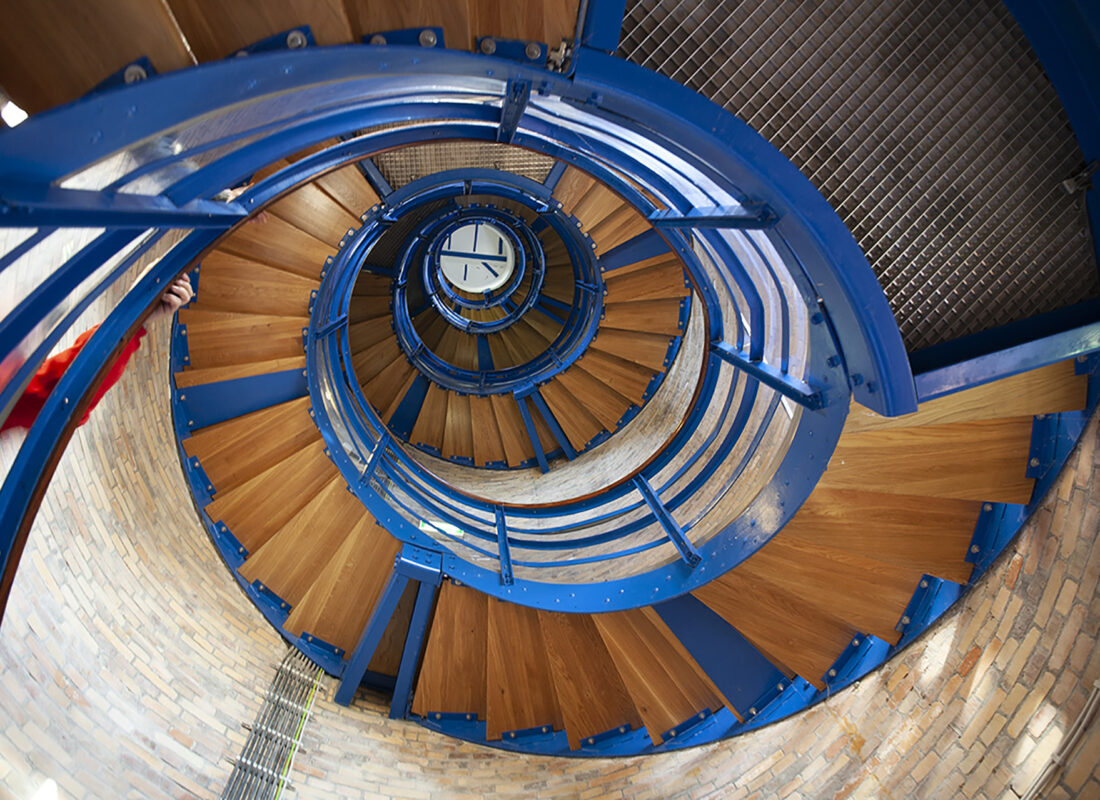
(129, 658)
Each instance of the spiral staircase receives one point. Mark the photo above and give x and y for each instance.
(670, 480)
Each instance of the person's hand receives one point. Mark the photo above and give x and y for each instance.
(179, 293)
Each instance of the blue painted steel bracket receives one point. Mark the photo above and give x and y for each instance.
(932, 597)
(430, 36)
(211, 403)
(270, 603)
(290, 39)
(643, 246)
(137, 70)
(324, 654)
(229, 545)
(511, 109)
(202, 488)
(787, 385)
(419, 564)
(747, 216)
(503, 549)
(525, 51)
(671, 527)
(602, 25)
(862, 654)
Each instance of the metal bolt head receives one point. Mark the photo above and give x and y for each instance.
(134, 73)
(905, 620)
(1034, 462)
(296, 40)
(488, 45)
(924, 584)
(832, 673)
(1082, 359)
(855, 642)
(378, 39)
(427, 38)
(987, 507)
(533, 51)
(974, 548)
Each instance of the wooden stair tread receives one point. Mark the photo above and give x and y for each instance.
(290, 561)
(233, 283)
(197, 377)
(645, 349)
(929, 534)
(367, 333)
(652, 316)
(1047, 390)
(458, 434)
(520, 691)
(784, 626)
(431, 420)
(247, 509)
(234, 451)
(578, 424)
(658, 283)
(310, 209)
(513, 434)
(601, 400)
(572, 187)
(664, 682)
(869, 595)
(342, 598)
(487, 445)
(370, 362)
(276, 243)
(350, 189)
(390, 385)
(218, 339)
(453, 671)
(627, 378)
(215, 30)
(52, 53)
(984, 460)
(591, 693)
(618, 227)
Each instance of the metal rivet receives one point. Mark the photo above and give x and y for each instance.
(336, 649)
(974, 548)
(427, 38)
(533, 50)
(183, 331)
(671, 733)
(65, 400)
(378, 39)
(488, 46)
(905, 620)
(702, 715)
(209, 488)
(1082, 359)
(924, 584)
(591, 741)
(545, 729)
(622, 729)
(987, 507)
(309, 638)
(779, 686)
(752, 711)
(183, 397)
(439, 716)
(134, 73)
(855, 642)
(296, 40)
(512, 735)
(1034, 462)
(832, 673)
(189, 422)
(240, 549)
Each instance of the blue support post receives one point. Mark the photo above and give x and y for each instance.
(356, 667)
(529, 424)
(511, 109)
(404, 418)
(552, 424)
(410, 654)
(787, 385)
(27, 206)
(505, 553)
(602, 24)
(484, 354)
(375, 177)
(675, 533)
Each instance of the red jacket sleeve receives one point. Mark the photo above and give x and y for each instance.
(28, 406)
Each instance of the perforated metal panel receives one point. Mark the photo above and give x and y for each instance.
(409, 163)
(930, 127)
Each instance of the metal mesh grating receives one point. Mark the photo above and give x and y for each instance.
(409, 163)
(930, 127)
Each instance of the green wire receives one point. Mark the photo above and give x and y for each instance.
(297, 736)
